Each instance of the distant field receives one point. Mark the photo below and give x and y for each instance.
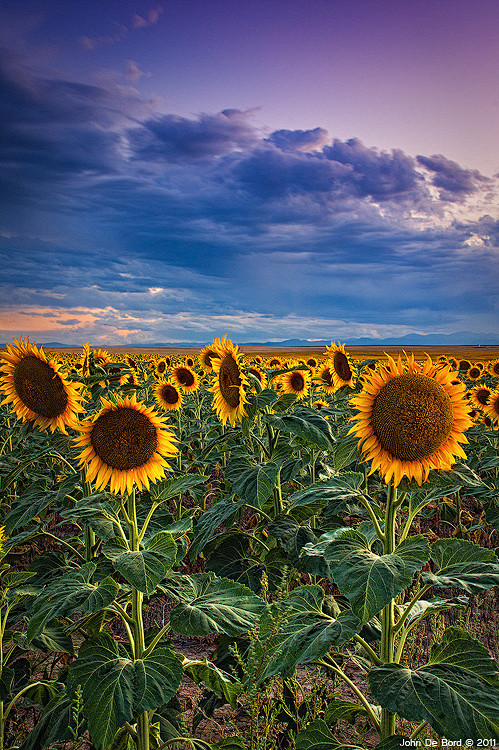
(484, 353)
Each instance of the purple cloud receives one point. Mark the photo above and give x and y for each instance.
(454, 182)
(301, 140)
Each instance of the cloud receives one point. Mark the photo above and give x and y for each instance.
(454, 182)
(152, 17)
(134, 73)
(90, 43)
(120, 220)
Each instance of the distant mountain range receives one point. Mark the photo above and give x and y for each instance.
(411, 339)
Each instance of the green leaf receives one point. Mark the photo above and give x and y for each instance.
(28, 506)
(463, 565)
(117, 689)
(343, 487)
(294, 537)
(306, 632)
(211, 605)
(457, 647)
(71, 593)
(52, 638)
(318, 736)
(16, 578)
(169, 488)
(143, 569)
(453, 700)
(371, 581)
(53, 725)
(338, 710)
(255, 484)
(425, 607)
(305, 424)
(206, 673)
(232, 558)
(211, 520)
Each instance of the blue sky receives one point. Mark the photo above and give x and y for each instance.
(266, 170)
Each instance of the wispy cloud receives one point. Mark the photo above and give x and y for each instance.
(122, 30)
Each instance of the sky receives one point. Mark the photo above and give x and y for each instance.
(262, 169)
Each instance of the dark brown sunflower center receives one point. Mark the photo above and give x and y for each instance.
(229, 381)
(474, 372)
(185, 376)
(274, 363)
(341, 366)
(412, 416)
(495, 368)
(124, 438)
(312, 362)
(169, 394)
(256, 373)
(464, 365)
(326, 376)
(482, 396)
(161, 367)
(297, 381)
(39, 387)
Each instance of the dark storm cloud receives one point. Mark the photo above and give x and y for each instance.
(454, 182)
(176, 139)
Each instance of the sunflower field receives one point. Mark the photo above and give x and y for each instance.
(248, 552)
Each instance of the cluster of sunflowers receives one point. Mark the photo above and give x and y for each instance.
(411, 417)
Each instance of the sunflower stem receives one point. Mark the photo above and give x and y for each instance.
(143, 720)
(387, 727)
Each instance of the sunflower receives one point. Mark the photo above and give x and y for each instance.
(486, 420)
(189, 362)
(125, 444)
(161, 367)
(259, 375)
(493, 368)
(206, 355)
(230, 384)
(296, 381)
(274, 362)
(480, 396)
(312, 362)
(411, 419)
(185, 378)
(130, 362)
(37, 388)
(463, 365)
(474, 373)
(341, 366)
(167, 395)
(492, 408)
(320, 404)
(324, 379)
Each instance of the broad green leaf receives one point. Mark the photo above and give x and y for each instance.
(343, 487)
(371, 581)
(305, 424)
(14, 579)
(54, 725)
(305, 633)
(232, 557)
(463, 565)
(425, 607)
(145, 568)
(318, 736)
(117, 689)
(453, 700)
(71, 593)
(52, 638)
(211, 605)
(28, 506)
(211, 520)
(206, 673)
(338, 710)
(294, 538)
(169, 488)
(256, 484)
(457, 647)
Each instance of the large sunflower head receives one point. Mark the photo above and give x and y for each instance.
(186, 378)
(297, 382)
(167, 395)
(480, 396)
(37, 388)
(341, 366)
(125, 444)
(206, 356)
(411, 419)
(230, 384)
(493, 368)
(474, 373)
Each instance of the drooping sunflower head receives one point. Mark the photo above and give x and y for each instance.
(297, 382)
(206, 356)
(131, 362)
(168, 395)
(37, 388)
(493, 368)
(125, 444)
(231, 383)
(259, 375)
(492, 408)
(411, 419)
(185, 378)
(320, 404)
(480, 396)
(324, 378)
(341, 366)
(274, 362)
